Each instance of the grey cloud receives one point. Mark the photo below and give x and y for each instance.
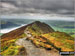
(43, 6)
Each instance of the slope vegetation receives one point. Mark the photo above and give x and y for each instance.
(40, 35)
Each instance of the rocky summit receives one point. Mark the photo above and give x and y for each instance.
(36, 39)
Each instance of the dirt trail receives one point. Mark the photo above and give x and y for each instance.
(34, 51)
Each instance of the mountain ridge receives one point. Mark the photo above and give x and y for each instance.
(22, 29)
(39, 34)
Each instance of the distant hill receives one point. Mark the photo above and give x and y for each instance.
(40, 35)
(7, 24)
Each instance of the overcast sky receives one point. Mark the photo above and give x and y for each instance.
(63, 7)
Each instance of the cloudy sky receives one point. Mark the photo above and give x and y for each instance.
(61, 7)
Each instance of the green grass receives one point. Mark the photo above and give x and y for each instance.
(12, 50)
(66, 30)
(1, 34)
(9, 47)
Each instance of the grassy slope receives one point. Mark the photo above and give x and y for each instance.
(57, 39)
(60, 40)
(9, 47)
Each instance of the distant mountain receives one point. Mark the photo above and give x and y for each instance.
(7, 24)
(36, 34)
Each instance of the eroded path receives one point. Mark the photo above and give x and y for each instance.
(34, 51)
